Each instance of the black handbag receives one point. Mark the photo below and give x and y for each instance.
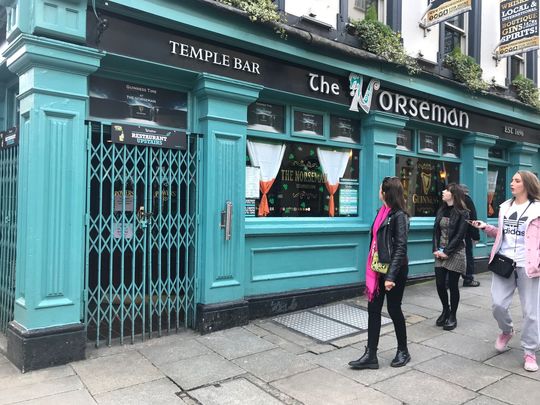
(502, 265)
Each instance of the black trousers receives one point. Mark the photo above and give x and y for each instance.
(441, 275)
(393, 303)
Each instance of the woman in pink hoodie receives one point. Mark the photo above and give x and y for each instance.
(517, 237)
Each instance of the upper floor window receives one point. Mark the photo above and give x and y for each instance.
(358, 9)
(516, 66)
(365, 4)
(324, 11)
(454, 34)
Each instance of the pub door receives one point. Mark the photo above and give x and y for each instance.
(140, 239)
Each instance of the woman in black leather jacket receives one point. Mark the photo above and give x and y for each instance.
(449, 233)
(388, 241)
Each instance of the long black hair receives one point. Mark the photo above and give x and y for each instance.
(393, 194)
(458, 195)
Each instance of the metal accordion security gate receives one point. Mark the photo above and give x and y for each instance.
(141, 245)
(9, 158)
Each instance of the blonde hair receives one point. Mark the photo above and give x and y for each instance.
(531, 184)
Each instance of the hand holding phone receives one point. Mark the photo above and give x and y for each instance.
(477, 224)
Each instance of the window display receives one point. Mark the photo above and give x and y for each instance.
(451, 147)
(304, 180)
(404, 140)
(423, 181)
(429, 143)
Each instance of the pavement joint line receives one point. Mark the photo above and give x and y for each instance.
(274, 392)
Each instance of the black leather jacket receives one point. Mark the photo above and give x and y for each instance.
(392, 243)
(457, 230)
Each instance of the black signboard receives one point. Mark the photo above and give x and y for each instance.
(344, 129)
(148, 136)
(519, 26)
(308, 123)
(135, 39)
(9, 138)
(266, 117)
(137, 103)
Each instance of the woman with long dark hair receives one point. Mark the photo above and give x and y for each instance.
(517, 237)
(449, 232)
(388, 247)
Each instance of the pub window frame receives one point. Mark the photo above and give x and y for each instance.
(501, 162)
(459, 29)
(323, 140)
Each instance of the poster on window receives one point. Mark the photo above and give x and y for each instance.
(429, 143)
(344, 129)
(442, 10)
(519, 27)
(308, 123)
(451, 147)
(266, 117)
(404, 140)
(348, 197)
(9, 138)
(136, 103)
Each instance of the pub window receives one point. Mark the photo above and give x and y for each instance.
(516, 66)
(308, 123)
(297, 179)
(425, 177)
(344, 129)
(429, 143)
(266, 117)
(496, 193)
(454, 34)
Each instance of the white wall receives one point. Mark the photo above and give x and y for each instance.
(415, 39)
(490, 39)
(325, 10)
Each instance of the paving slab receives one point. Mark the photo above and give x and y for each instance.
(484, 400)
(386, 342)
(338, 361)
(155, 392)
(40, 389)
(329, 388)
(169, 352)
(463, 372)
(79, 397)
(284, 343)
(201, 370)
(461, 345)
(11, 376)
(235, 342)
(515, 389)
(415, 387)
(273, 364)
(3, 359)
(109, 373)
(512, 360)
(423, 331)
(286, 333)
(235, 392)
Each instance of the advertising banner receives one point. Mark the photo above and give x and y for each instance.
(519, 26)
(442, 10)
(148, 136)
(9, 138)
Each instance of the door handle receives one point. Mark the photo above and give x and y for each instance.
(226, 220)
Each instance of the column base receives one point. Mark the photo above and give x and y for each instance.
(214, 317)
(47, 347)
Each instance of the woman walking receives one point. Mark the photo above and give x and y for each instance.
(449, 250)
(388, 249)
(517, 237)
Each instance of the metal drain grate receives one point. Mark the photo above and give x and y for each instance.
(328, 323)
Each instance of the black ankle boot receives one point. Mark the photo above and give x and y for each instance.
(368, 360)
(402, 358)
(443, 317)
(451, 322)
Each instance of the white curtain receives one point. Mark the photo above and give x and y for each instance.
(267, 157)
(333, 164)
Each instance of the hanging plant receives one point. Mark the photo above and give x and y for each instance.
(465, 70)
(379, 39)
(259, 10)
(526, 91)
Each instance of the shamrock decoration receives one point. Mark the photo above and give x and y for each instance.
(303, 204)
(285, 186)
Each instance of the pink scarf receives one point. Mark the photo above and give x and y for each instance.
(372, 278)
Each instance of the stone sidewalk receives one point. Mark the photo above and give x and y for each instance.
(266, 363)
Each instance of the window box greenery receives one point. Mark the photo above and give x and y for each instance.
(259, 10)
(526, 91)
(465, 70)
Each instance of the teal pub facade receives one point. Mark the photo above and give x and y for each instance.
(170, 164)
